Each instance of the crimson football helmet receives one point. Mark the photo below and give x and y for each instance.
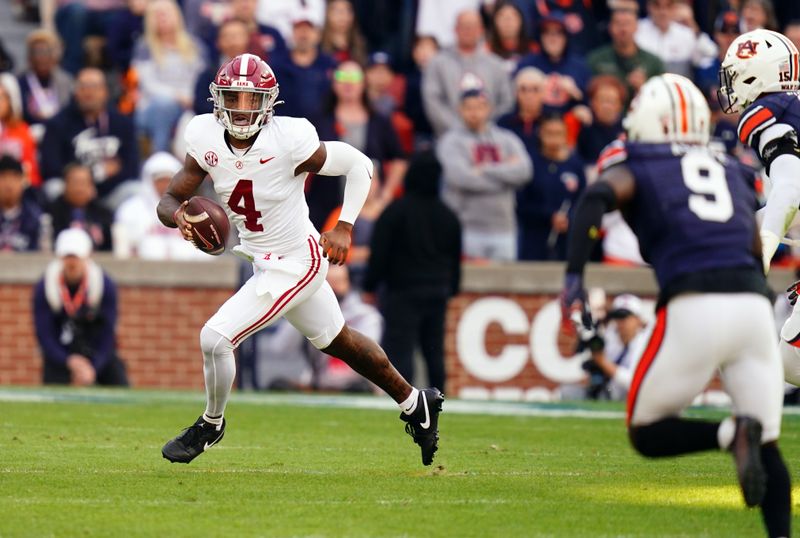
(244, 93)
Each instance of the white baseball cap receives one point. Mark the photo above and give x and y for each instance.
(626, 305)
(73, 242)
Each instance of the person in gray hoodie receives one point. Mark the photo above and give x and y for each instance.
(467, 65)
(484, 165)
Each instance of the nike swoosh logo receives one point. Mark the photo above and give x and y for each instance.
(209, 445)
(427, 424)
(265, 161)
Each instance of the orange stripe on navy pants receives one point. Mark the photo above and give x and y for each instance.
(646, 361)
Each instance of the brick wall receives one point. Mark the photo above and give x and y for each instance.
(496, 339)
(157, 334)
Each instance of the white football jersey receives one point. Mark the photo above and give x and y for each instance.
(257, 187)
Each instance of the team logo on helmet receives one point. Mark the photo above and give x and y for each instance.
(747, 49)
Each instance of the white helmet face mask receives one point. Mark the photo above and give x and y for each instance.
(668, 108)
(243, 111)
(761, 61)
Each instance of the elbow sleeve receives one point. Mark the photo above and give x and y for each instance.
(344, 159)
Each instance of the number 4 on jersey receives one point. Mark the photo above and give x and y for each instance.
(243, 194)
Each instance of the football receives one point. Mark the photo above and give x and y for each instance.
(210, 225)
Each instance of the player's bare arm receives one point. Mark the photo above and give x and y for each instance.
(335, 159)
(182, 186)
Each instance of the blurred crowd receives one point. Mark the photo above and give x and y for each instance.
(516, 97)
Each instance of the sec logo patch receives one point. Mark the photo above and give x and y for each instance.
(211, 158)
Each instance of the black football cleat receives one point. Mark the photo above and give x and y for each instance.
(746, 450)
(193, 441)
(423, 424)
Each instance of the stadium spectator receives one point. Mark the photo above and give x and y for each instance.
(232, 40)
(425, 48)
(483, 165)
(44, 85)
(15, 136)
(416, 264)
(544, 206)
(167, 61)
(578, 17)
(438, 19)
(508, 37)
(93, 133)
(619, 350)
(19, 217)
(123, 32)
(202, 16)
(623, 58)
(264, 40)
(680, 47)
(758, 14)
(281, 14)
(341, 36)
(383, 88)
(350, 119)
(727, 27)
(305, 74)
(523, 120)
(75, 315)
(607, 98)
(78, 19)
(465, 66)
(137, 230)
(567, 74)
(78, 208)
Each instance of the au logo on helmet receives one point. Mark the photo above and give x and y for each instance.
(747, 49)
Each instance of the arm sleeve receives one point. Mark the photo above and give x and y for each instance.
(47, 328)
(193, 129)
(596, 200)
(778, 149)
(344, 159)
(104, 346)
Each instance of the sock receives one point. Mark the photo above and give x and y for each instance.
(219, 369)
(409, 405)
(217, 421)
(674, 436)
(777, 504)
(725, 433)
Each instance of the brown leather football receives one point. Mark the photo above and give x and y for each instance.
(210, 224)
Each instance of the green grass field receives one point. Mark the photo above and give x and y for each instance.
(88, 463)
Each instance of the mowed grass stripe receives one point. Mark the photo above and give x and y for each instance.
(78, 468)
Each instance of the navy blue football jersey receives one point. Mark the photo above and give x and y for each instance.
(773, 108)
(692, 210)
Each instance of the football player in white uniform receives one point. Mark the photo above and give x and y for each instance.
(259, 164)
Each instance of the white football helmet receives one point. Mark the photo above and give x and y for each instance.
(244, 93)
(668, 108)
(761, 61)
